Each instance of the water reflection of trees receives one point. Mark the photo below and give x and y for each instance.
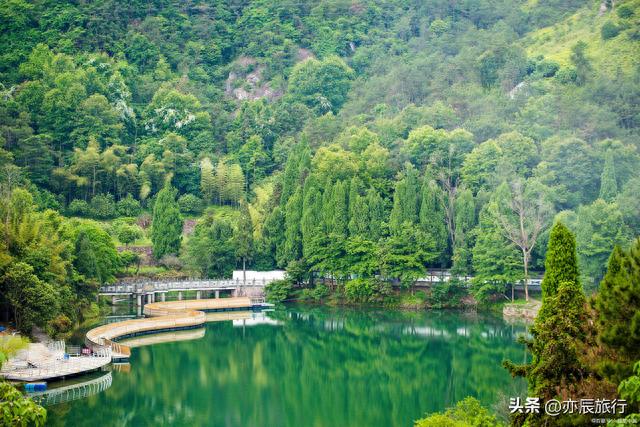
(321, 367)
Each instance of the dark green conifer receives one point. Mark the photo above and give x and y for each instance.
(376, 214)
(432, 218)
(340, 209)
(292, 233)
(166, 226)
(561, 262)
(618, 304)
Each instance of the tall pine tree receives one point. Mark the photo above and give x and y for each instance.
(464, 222)
(561, 262)
(405, 201)
(432, 219)
(558, 331)
(608, 184)
(292, 250)
(311, 222)
(618, 306)
(376, 214)
(166, 225)
(340, 209)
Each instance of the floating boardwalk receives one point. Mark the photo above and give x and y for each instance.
(162, 317)
(39, 362)
(173, 316)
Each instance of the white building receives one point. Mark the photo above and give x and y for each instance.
(267, 276)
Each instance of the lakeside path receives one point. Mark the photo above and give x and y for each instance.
(161, 317)
(40, 362)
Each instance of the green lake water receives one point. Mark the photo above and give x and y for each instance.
(317, 367)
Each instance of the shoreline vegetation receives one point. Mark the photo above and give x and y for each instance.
(346, 139)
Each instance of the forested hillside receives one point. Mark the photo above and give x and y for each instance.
(356, 139)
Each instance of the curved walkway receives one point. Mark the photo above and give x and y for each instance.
(162, 316)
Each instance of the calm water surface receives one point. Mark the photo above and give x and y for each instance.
(319, 367)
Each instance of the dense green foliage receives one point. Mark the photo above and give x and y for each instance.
(353, 132)
(357, 145)
(561, 263)
(618, 306)
(466, 413)
(559, 328)
(50, 266)
(578, 348)
(166, 232)
(17, 410)
(210, 251)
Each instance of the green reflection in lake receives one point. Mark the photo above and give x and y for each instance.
(310, 367)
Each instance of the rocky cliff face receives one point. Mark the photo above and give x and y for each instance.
(246, 82)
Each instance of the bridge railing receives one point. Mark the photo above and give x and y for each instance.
(187, 284)
(117, 348)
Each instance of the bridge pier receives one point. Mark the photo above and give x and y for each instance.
(179, 295)
(198, 294)
(163, 296)
(139, 300)
(113, 300)
(217, 294)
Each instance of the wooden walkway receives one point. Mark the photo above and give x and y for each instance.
(163, 316)
(57, 368)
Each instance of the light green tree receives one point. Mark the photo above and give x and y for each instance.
(207, 180)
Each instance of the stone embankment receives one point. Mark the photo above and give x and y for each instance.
(527, 311)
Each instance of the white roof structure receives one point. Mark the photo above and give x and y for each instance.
(259, 275)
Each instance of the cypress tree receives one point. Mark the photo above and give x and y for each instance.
(327, 212)
(355, 187)
(465, 218)
(296, 168)
(166, 225)
(432, 218)
(339, 206)
(608, 184)
(290, 177)
(311, 222)
(559, 328)
(376, 214)
(556, 342)
(292, 250)
(358, 212)
(272, 240)
(561, 262)
(618, 304)
(405, 201)
(359, 217)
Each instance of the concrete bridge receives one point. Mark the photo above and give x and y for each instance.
(150, 291)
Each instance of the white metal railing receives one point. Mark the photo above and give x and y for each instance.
(76, 391)
(187, 284)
